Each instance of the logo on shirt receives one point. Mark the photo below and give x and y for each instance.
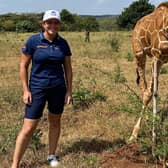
(42, 46)
(56, 48)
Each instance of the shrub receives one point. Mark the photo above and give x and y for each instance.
(163, 70)
(133, 105)
(25, 26)
(129, 57)
(83, 98)
(118, 76)
(115, 44)
(35, 143)
(7, 140)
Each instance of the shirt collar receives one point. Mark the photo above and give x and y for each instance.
(43, 38)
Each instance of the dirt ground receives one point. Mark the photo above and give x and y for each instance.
(127, 156)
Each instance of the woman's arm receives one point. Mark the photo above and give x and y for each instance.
(68, 78)
(24, 64)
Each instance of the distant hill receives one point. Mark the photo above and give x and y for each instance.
(101, 16)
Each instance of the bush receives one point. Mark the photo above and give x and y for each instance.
(132, 106)
(133, 13)
(25, 26)
(115, 44)
(83, 98)
(35, 143)
(163, 70)
(8, 138)
(129, 57)
(118, 76)
(9, 25)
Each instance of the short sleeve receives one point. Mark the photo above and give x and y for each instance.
(28, 47)
(67, 49)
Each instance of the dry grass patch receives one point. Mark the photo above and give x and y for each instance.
(88, 132)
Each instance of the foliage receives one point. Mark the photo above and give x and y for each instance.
(133, 13)
(162, 140)
(8, 138)
(118, 76)
(9, 22)
(29, 22)
(10, 96)
(91, 161)
(66, 16)
(8, 25)
(108, 24)
(129, 57)
(73, 22)
(35, 143)
(25, 26)
(134, 105)
(67, 20)
(115, 44)
(83, 98)
(101, 122)
(90, 23)
(163, 70)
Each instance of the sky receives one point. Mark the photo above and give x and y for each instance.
(80, 7)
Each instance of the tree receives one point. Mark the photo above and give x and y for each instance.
(67, 20)
(8, 25)
(77, 25)
(28, 22)
(25, 26)
(73, 22)
(133, 13)
(108, 24)
(90, 23)
(66, 16)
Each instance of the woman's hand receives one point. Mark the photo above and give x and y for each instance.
(68, 98)
(27, 97)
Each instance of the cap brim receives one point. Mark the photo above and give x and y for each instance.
(51, 18)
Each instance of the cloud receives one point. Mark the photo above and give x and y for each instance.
(101, 1)
(156, 2)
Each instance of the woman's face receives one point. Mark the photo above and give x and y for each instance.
(51, 26)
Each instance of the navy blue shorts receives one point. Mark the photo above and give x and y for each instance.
(55, 98)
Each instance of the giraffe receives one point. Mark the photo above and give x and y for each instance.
(150, 38)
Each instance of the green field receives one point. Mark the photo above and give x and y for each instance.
(105, 106)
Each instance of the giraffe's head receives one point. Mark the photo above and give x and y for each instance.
(163, 4)
(165, 24)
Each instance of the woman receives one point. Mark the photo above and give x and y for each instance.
(50, 81)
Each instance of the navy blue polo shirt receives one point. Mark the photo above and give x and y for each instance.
(47, 60)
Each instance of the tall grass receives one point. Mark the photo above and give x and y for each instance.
(98, 84)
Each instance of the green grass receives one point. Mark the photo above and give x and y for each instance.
(100, 79)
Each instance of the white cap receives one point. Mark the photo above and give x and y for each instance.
(51, 14)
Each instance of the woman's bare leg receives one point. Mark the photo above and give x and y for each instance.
(22, 140)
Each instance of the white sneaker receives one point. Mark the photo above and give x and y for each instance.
(53, 160)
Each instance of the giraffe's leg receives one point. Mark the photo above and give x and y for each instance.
(147, 96)
(141, 81)
(140, 70)
(136, 129)
(146, 99)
